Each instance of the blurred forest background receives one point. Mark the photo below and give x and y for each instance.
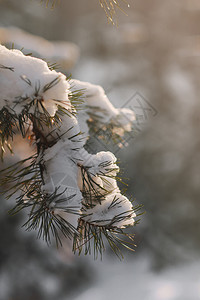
(155, 52)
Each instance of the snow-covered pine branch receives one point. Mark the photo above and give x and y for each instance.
(98, 112)
(67, 189)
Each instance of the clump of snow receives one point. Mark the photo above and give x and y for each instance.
(116, 210)
(101, 169)
(30, 79)
(61, 175)
(97, 106)
(102, 163)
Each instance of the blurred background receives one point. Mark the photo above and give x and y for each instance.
(154, 52)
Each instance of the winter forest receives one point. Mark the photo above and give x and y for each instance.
(99, 171)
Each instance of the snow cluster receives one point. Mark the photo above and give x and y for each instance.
(24, 79)
(68, 168)
(97, 105)
(65, 172)
(116, 210)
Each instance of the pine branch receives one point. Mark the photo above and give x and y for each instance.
(108, 133)
(41, 183)
(92, 234)
(43, 218)
(92, 239)
(19, 176)
(110, 6)
(26, 176)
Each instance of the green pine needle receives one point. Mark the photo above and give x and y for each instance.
(92, 239)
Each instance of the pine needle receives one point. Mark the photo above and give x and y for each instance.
(110, 6)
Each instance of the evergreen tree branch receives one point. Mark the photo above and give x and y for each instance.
(61, 179)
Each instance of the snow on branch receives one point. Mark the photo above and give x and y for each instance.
(25, 80)
(97, 112)
(69, 192)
